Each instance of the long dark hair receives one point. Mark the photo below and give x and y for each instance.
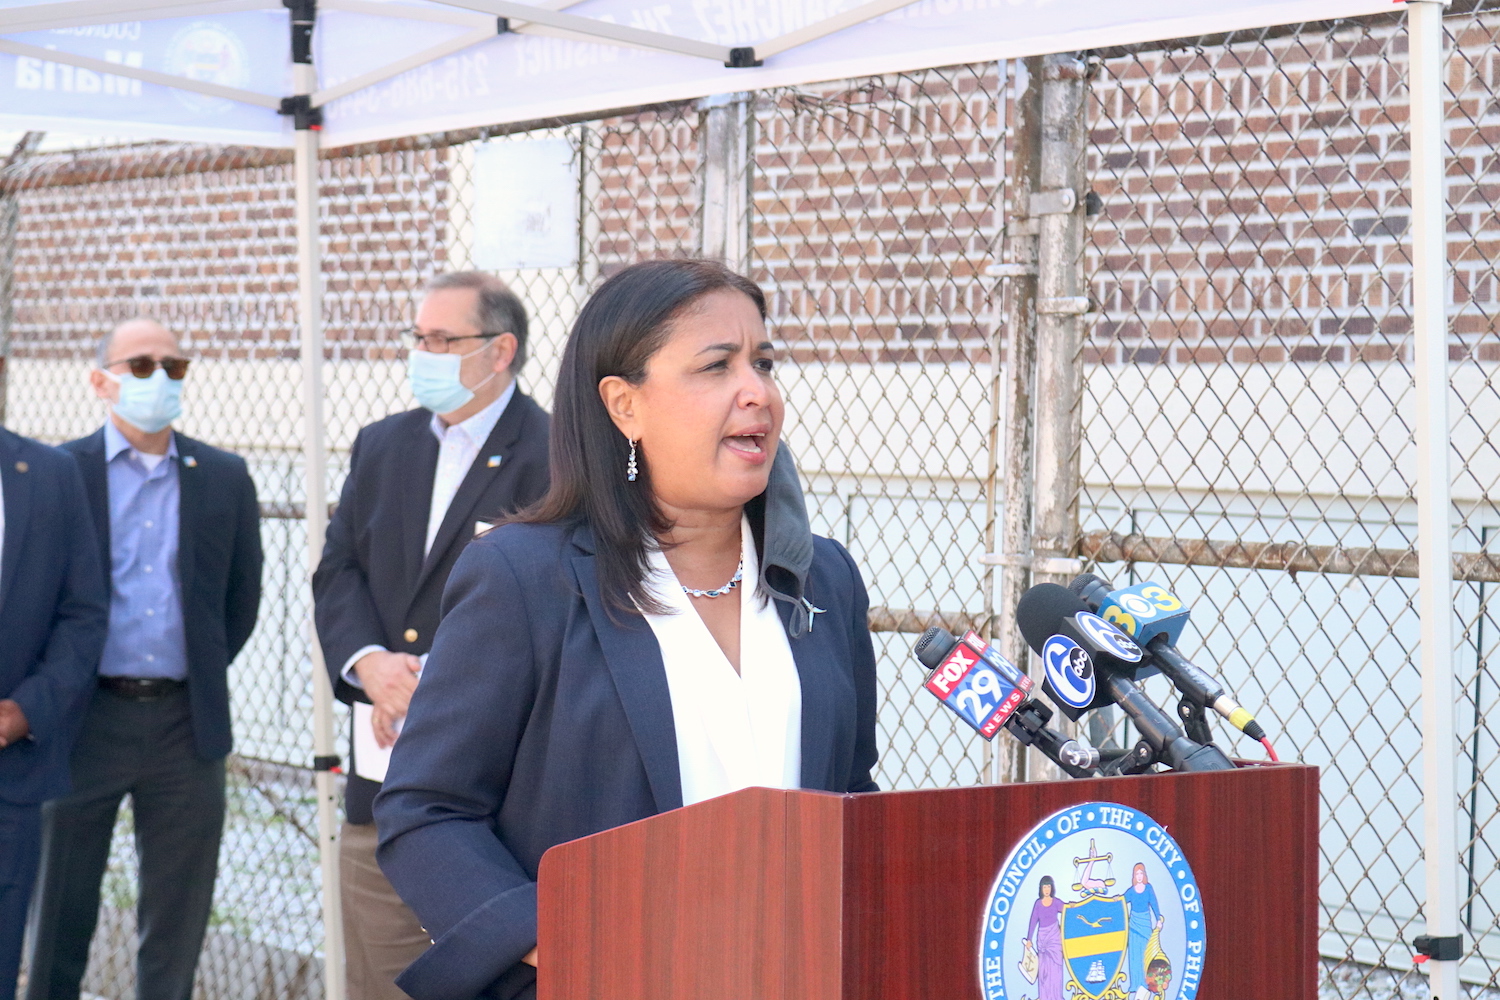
(622, 325)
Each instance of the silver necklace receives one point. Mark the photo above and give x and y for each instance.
(739, 574)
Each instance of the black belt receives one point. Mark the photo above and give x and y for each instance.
(141, 688)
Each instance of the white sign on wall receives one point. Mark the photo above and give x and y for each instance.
(525, 205)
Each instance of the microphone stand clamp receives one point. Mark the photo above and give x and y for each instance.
(1194, 721)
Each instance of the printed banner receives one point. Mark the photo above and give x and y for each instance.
(523, 77)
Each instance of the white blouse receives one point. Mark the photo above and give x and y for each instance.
(734, 730)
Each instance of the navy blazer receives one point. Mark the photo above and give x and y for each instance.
(218, 566)
(53, 613)
(373, 587)
(553, 721)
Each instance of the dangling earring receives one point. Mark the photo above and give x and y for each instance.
(630, 469)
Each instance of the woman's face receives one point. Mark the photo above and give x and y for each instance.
(707, 417)
(1046, 891)
(1138, 877)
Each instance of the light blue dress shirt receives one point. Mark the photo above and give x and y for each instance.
(146, 636)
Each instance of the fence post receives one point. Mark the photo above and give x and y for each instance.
(724, 227)
(1014, 552)
(1057, 205)
(315, 509)
(1440, 804)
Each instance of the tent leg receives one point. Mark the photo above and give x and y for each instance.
(1434, 485)
(314, 459)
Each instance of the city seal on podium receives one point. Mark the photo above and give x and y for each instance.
(1097, 902)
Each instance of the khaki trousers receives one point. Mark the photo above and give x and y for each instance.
(381, 934)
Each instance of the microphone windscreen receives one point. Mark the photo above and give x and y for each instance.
(934, 645)
(1094, 590)
(1041, 610)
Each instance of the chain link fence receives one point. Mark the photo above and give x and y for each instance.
(1248, 422)
(1246, 388)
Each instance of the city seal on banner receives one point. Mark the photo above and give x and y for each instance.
(208, 52)
(1097, 902)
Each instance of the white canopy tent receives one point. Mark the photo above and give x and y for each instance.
(220, 70)
(311, 73)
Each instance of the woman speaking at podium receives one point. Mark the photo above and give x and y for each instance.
(661, 628)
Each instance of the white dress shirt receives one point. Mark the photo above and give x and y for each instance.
(458, 447)
(734, 730)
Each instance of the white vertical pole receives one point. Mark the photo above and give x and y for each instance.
(314, 464)
(1434, 501)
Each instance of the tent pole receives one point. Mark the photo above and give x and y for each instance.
(314, 461)
(1440, 803)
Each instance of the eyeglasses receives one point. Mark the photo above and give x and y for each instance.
(143, 365)
(437, 343)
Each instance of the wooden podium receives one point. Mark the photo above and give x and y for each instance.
(794, 895)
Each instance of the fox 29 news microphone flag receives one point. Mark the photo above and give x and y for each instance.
(982, 687)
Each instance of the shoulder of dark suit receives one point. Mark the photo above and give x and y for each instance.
(36, 454)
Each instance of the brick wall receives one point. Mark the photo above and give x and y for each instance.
(1254, 201)
(875, 210)
(641, 190)
(1256, 198)
(205, 240)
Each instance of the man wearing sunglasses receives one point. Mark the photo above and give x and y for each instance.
(179, 527)
(421, 484)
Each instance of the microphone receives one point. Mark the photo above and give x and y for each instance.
(949, 661)
(972, 679)
(1155, 617)
(1090, 663)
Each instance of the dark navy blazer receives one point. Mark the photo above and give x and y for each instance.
(53, 613)
(218, 567)
(373, 585)
(540, 719)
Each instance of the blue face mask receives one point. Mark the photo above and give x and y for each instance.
(435, 381)
(148, 403)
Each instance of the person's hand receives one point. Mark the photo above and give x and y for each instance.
(13, 724)
(530, 958)
(388, 679)
(384, 725)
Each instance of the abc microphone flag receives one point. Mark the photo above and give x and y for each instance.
(969, 676)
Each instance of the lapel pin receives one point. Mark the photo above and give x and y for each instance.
(22, 467)
(190, 461)
(494, 462)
